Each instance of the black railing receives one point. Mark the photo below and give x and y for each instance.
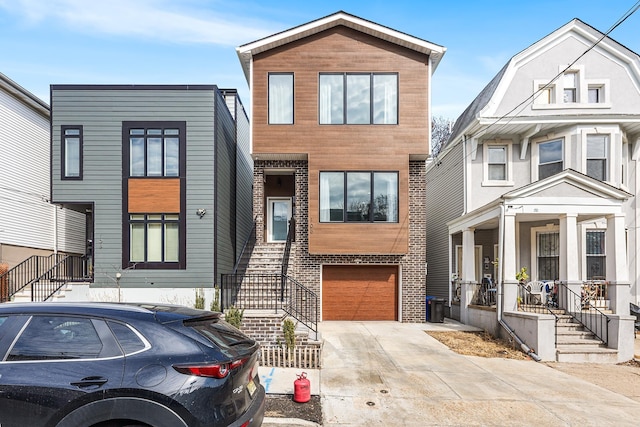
(287, 247)
(484, 294)
(43, 273)
(534, 302)
(270, 292)
(247, 246)
(581, 309)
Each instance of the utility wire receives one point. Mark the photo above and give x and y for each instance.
(530, 98)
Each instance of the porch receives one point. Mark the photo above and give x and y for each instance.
(571, 248)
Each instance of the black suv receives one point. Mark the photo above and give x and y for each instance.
(115, 365)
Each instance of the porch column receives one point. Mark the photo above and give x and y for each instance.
(617, 269)
(468, 270)
(508, 261)
(569, 255)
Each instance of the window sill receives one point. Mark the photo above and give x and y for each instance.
(497, 184)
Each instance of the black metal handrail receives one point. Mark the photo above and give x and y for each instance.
(287, 247)
(580, 308)
(38, 269)
(251, 238)
(545, 306)
(270, 292)
(302, 303)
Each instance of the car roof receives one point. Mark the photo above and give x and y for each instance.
(162, 312)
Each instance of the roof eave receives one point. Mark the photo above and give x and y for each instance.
(247, 51)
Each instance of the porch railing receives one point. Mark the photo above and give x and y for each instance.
(543, 305)
(270, 292)
(45, 275)
(484, 294)
(584, 312)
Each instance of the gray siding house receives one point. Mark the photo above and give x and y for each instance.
(540, 176)
(163, 177)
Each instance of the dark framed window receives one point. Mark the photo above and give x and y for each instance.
(550, 158)
(280, 98)
(358, 98)
(154, 239)
(359, 196)
(71, 152)
(154, 151)
(597, 148)
(596, 255)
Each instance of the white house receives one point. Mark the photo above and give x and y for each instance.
(29, 224)
(541, 173)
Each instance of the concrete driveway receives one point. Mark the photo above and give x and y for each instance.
(394, 374)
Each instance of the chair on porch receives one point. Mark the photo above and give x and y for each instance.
(535, 293)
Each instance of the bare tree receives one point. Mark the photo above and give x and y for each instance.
(440, 132)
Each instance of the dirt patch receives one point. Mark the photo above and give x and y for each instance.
(622, 378)
(283, 406)
(479, 344)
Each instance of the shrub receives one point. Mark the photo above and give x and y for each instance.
(289, 330)
(233, 316)
(199, 299)
(215, 304)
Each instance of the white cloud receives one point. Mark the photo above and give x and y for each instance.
(181, 22)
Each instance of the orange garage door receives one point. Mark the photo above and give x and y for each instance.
(359, 292)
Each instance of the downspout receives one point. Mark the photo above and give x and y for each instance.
(500, 306)
(55, 229)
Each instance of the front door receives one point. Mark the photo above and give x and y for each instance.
(278, 216)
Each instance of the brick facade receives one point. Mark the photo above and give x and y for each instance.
(306, 268)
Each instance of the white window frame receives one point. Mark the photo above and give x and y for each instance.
(606, 158)
(508, 181)
(615, 151)
(583, 85)
(535, 176)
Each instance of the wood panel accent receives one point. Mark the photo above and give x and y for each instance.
(148, 195)
(358, 238)
(359, 292)
(341, 50)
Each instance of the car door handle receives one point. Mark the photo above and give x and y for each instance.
(90, 381)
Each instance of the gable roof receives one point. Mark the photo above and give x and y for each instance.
(24, 95)
(575, 27)
(247, 51)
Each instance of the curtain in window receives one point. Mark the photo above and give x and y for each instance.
(385, 99)
(281, 98)
(136, 245)
(154, 241)
(72, 157)
(171, 242)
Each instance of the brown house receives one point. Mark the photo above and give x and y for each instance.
(340, 134)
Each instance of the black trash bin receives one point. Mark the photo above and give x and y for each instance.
(436, 310)
(428, 299)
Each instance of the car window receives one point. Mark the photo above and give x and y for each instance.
(222, 335)
(57, 337)
(127, 338)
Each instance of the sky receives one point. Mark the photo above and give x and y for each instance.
(44, 42)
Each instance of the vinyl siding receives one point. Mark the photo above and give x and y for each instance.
(101, 113)
(26, 217)
(445, 195)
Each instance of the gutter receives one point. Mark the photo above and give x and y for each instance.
(500, 306)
